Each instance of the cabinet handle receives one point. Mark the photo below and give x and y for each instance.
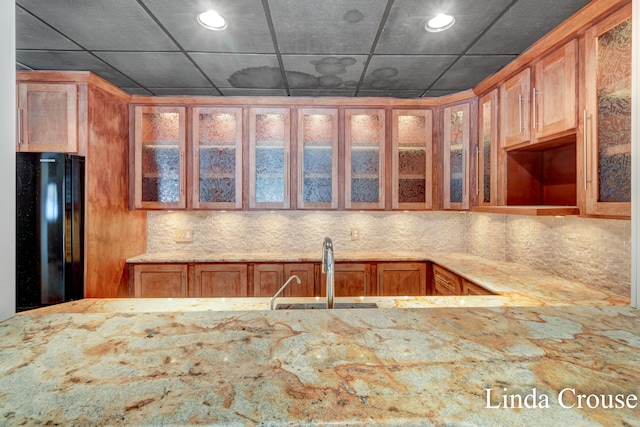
(19, 125)
(584, 149)
(535, 115)
(478, 169)
(182, 290)
(443, 279)
(285, 176)
(464, 173)
(520, 99)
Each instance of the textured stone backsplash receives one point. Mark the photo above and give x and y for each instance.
(592, 251)
(301, 231)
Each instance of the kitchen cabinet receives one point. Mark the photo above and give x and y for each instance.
(455, 160)
(350, 280)
(159, 144)
(470, 288)
(317, 158)
(445, 282)
(219, 280)
(555, 92)
(402, 278)
(47, 117)
(217, 158)
(606, 134)
(268, 278)
(159, 280)
(269, 151)
(515, 109)
(412, 160)
(487, 184)
(364, 182)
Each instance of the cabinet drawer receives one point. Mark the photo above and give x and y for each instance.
(470, 288)
(443, 279)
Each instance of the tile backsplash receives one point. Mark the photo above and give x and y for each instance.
(592, 251)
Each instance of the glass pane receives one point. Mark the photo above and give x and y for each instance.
(161, 157)
(456, 161)
(317, 165)
(614, 114)
(412, 159)
(217, 147)
(365, 158)
(486, 151)
(270, 154)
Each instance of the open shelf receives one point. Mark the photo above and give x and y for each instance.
(529, 210)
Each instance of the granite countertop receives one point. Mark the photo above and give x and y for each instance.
(436, 366)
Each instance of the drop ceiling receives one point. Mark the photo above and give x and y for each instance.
(283, 47)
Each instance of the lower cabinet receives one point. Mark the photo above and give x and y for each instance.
(268, 278)
(470, 288)
(402, 279)
(448, 283)
(350, 280)
(159, 280)
(219, 280)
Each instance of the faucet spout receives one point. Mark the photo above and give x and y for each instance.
(328, 268)
(273, 298)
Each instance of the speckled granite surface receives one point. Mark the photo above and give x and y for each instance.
(436, 366)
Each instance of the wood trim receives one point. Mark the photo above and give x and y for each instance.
(537, 210)
(78, 77)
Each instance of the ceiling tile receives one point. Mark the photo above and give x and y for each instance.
(470, 70)
(245, 71)
(247, 29)
(323, 92)
(404, 31)
(135, 90)
(156, 69)
(404, 72)
(435, 93)
(415, 93)
(327, 27)
(186, 91)
(71, 61)
(252, 92)
(102, 25)
(323, 72)
(31, 33)
(523, 24)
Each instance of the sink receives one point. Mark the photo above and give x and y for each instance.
(321, 305)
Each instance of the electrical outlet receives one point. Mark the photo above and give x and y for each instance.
(355, 234)
(184, 236)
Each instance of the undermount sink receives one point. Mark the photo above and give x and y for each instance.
(321, 305)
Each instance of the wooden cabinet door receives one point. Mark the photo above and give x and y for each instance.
(412, 163)
(606, 131)
(269, 150)
(267, 279)
(306, 273)
(317, 158)
(220, 280)
(445, 282)
(456, 156)
(400, 279)
(515, 109)
(217, 158)
(159, 280)
(488, 185)
(555, 93)
(350, 280)
(364, 161)
(159, 157)
(47, 117)
(470, 288)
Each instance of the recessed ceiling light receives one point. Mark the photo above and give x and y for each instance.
(440, 22)
(212, 20)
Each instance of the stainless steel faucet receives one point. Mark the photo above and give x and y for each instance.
(328, 268)
(273, 298)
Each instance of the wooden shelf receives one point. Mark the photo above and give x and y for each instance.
(531, 210)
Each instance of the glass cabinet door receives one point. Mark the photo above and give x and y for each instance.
(411, 173)
(455, 161)
(607, 116)
(217, 158)
(486, 186)
(364, 159)
(317, 158)
(159, 146)
(269, 139)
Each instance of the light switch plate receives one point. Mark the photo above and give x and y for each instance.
(355, 234)
(184, 236)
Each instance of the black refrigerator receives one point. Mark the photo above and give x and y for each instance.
(49, 229)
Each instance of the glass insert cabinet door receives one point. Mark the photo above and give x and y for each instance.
(412, 161)
(364, 159)
(217, 158)
(159, 145)
(607, 116)
(456, 154)
(488, 150)
(317, 159)
(269, 148)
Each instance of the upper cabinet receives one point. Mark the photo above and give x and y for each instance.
(47, 117)
(487, 153)
(607, 116)
(515, 111)
(217, 158)
(455, 160)
(412, 160)
(317, 158)
(159, 157)
(269, 151)
(364, 159)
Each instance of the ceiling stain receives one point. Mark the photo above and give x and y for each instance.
(353, 16)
